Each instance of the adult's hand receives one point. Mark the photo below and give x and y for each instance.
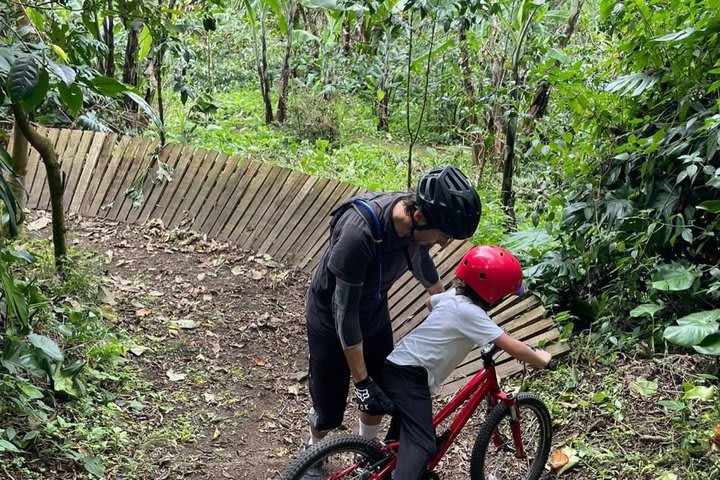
(371, 399)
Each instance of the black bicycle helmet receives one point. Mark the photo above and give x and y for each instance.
(449, 202)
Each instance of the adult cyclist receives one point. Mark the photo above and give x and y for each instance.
(374, 239)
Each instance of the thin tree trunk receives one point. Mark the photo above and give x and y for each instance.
(464, 64)
(384, 103)
(538, 107)
(20, 159)
(346, 35)
(494, 120)
(130, 66)
(110, 42)
(285, 77)
(264, 80)
(54, 178)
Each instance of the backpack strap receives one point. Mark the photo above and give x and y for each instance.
(368, 213)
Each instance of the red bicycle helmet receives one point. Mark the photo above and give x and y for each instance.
(491, 272)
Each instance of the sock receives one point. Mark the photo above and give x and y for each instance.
(368, 431)
(312, 440)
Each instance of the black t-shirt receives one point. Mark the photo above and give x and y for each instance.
(351, 256)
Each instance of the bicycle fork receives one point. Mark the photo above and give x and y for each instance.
(503, 443)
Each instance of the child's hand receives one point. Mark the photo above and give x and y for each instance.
(545, 357)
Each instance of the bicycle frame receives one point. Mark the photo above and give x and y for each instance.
(484, 384)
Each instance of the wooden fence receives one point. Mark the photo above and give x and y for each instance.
(259, 207)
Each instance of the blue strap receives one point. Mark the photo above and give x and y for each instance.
(377, 236)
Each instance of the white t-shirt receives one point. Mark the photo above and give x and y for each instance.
(455, 325)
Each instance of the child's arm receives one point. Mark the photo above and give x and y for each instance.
(516, 348)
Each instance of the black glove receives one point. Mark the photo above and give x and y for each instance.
(370, 399)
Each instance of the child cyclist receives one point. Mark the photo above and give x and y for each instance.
(425, 357)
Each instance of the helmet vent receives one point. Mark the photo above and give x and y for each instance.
(483, 276)
(466, 262)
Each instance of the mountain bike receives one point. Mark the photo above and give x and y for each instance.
(513, 442)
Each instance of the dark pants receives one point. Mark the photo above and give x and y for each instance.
(329, 379)
(408, 388)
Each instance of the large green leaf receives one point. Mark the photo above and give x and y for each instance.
(145, 42)
(710, 205)
(710, 345)
(634, 84)
(675, 36)
(707, 317)
(673, 278)
(72, 97)
(23, 78)
(108, 86)
(649, 309)
(146, 108)
(63, 72)
(689, 335)
(47, 345)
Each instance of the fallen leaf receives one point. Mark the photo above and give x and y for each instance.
(39, 224)
(155, 293)
(257, 274)
(185, 324)
(215, 347)
(142, 312)
(294, 389)
(558, 459)
(201, 276)
(237, 270)
(216, 434)
(174, 376)
(209, 397)
(715, 440)
(138, 350)
(259, 362)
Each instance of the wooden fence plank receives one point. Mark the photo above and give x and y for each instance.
(318, 239)
(291, 184)
(247, 202)
(169, 155)
(317, 231)
(264, 204)
(291, 216)
(39, 175)
(136, 179)
(168, 200)
(184, 188)
(64, 151)
(101, 147)
(236, 172)
(183, 215)
(265, 238)
(73, 165)
(306, 214)
(40, 181)
(106, 172)
(77, 167)
(230, 166)
(205, 191)
(116, 191)
(226, 215)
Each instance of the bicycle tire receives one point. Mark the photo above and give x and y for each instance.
(537, 429)
(352, 445)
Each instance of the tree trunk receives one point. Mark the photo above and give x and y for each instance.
(384, 103)
(494, 120)
(130, 66)
(464, 64)
(285, 77)
(110, 42)
(264, 80)
(20, 159)
(54, 178)
(346, 35)
(538, 107)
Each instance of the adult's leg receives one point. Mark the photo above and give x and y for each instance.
(408, 388)
(328, 381)
(376, 348)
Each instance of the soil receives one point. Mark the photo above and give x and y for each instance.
(222, 353)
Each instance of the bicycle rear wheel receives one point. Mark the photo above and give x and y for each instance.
(493, 456)
(337, 457)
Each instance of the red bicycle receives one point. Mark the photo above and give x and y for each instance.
(513, 442)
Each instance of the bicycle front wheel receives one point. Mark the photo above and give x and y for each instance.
(338, 457)
(493, 456)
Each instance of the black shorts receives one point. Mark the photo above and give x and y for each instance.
(329, 376)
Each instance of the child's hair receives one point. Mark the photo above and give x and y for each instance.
(461, 288)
